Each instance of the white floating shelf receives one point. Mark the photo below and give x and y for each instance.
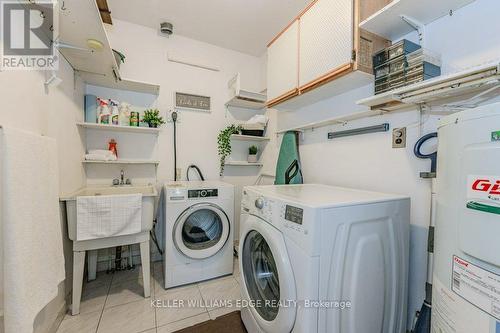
(116, 128)
(243, 163)
(461, 85)
(331, 121)
(240, 137)
(239, 102)
(122, 84)
(387, 22)
(123, 162)
(242, 98)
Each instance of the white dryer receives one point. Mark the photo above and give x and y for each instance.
(198, 232)
(316, 258)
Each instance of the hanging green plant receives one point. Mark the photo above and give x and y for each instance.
(224, 144)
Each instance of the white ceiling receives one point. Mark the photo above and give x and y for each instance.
(242, 25)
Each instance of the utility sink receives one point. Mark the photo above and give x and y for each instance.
(148, 197)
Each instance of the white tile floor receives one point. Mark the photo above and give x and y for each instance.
(115, 303)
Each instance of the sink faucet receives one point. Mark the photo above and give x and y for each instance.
(121, 181)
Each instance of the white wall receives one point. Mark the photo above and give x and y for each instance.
(27, 105)
(466, 39)
(146, 59)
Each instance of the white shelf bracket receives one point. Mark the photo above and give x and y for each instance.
(418, 26)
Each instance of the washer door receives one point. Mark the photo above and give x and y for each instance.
(201, 231)
(268, 280)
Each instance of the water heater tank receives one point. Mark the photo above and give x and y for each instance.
(466, 282)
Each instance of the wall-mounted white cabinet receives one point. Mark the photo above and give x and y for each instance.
(326, 39)
(320, 48)
(282, 64)
(97, 65)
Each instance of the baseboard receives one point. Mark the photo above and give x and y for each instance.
(60, 316)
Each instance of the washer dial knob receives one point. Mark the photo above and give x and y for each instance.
(259, 203)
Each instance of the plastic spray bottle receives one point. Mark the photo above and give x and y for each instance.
(114, 112)
(103, 114)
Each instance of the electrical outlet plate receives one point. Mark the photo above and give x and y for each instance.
(399, 137)
(178, 173)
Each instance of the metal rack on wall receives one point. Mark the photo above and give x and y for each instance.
(444, 94)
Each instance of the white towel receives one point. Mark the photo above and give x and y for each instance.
(99, 157)
(33, 259)
(100, 152)
(108, 215)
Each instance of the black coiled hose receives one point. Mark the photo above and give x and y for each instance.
(192, 166)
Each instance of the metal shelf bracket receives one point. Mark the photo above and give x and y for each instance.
(418, 26)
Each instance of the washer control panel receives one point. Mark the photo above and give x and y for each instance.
(294, 214)
(286, 216)
(293, 218)
(203, 193)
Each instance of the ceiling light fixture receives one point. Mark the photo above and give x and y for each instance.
(94, 44)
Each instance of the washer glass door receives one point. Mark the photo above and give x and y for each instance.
(201, 231)
(261, 275)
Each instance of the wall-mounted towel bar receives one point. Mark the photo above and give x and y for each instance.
(358, 131)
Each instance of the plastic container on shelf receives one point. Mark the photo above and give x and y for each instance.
(134, 118)
(124, 117)
(424, 55)
(90, 106)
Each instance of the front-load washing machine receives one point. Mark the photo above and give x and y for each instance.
(198, 231)
(316, 258)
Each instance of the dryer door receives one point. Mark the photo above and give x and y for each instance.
(201, 231)
(268, 281)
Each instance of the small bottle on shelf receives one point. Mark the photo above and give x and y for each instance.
(112, 147)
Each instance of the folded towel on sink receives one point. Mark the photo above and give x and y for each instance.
(107, 216)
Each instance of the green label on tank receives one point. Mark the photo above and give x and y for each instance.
(495, 136)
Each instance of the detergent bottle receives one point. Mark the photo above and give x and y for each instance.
(114, 112)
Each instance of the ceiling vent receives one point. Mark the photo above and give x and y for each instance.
(167, 28)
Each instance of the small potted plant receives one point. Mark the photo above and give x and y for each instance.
(252, 154)
(152, 118)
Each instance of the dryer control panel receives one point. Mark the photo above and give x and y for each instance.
(203, 193)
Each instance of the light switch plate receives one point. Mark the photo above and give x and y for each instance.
(399, 137)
